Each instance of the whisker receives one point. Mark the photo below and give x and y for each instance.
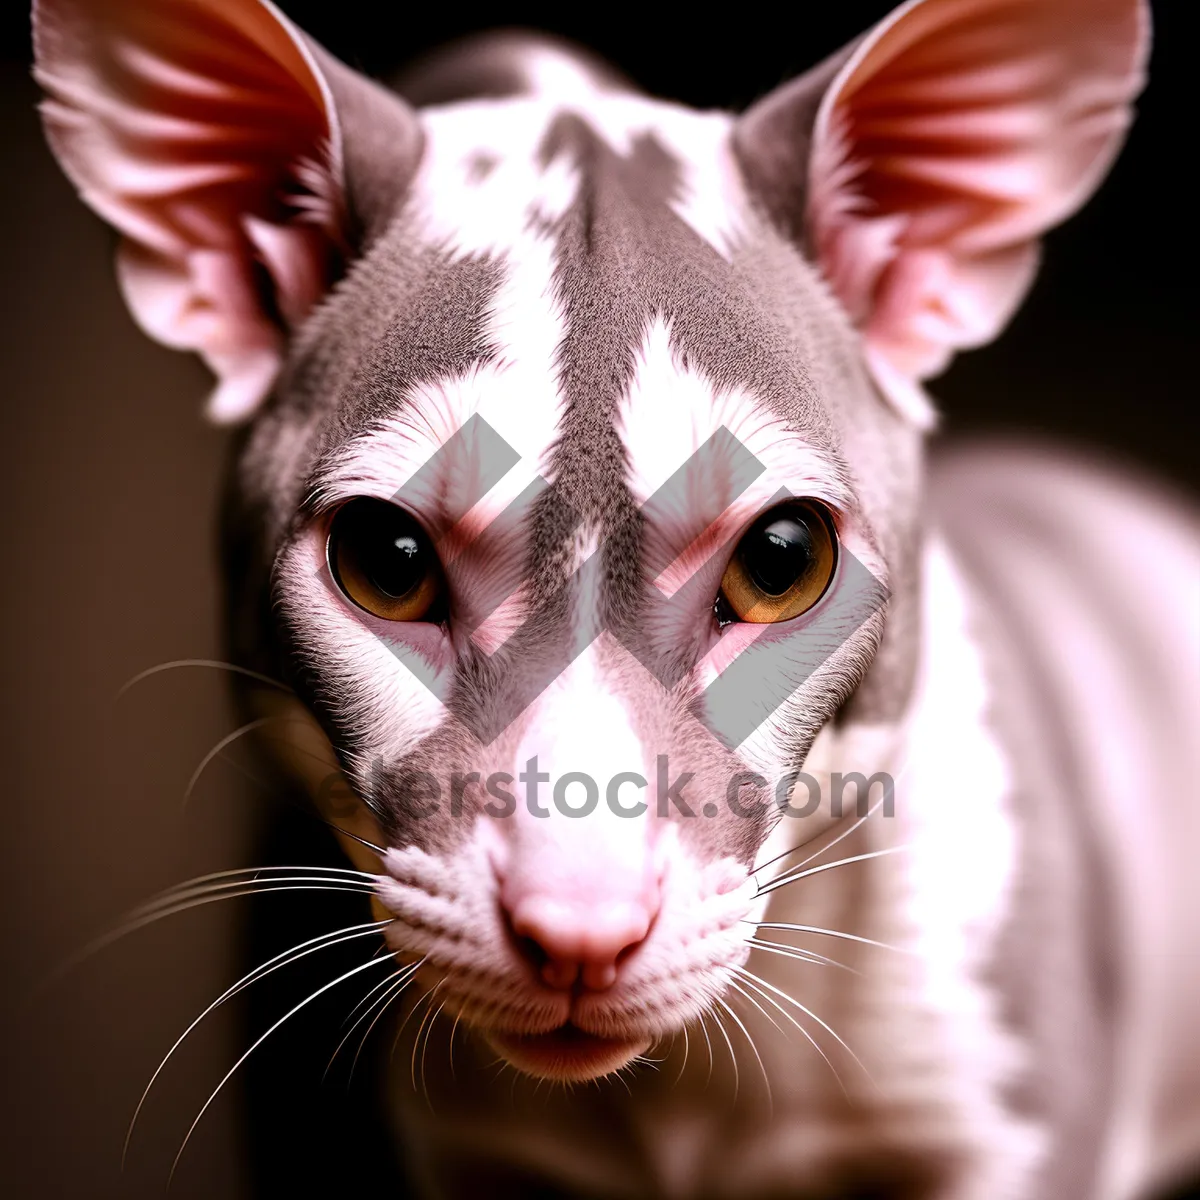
(371, 962)
(366, 999)
(179, 895)
(417, 1036)
(283, 959)
(741, 991)
(754, 1051)
(800, 954)
(364, 1007)
(732, 1057)
(161, 908)
(245, 876)
(835, 933)
(213, 663)
(683, 1066)
(354, 837)
(753, 981)
(235, 892)
(393, 993)
(257, 872)
(225, 742)
(425, 1050)
(808, 1012)
(325, 761)
(708, 1043)
(844, 834)
(417, 1040)
(453, 1031)
(792, 877)
(404, 1023)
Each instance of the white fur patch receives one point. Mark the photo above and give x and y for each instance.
(669, 412)
(964, 838)
(507, 133)
(516, 393)
(383, 700)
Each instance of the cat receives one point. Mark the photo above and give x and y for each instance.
(581, 500)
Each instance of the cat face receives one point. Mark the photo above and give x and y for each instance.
(605, 408)
(588, 495)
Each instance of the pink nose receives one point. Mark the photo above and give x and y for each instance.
(571, 941)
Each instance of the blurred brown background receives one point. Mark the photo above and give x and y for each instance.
(111, 484)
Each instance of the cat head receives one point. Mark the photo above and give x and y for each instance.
(578, 488)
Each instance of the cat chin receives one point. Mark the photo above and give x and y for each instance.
(567, 1054)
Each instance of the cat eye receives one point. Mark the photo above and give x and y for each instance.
(383, 561)
(781, 567)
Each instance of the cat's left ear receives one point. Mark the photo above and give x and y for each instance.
(241, 163)
(920, 166)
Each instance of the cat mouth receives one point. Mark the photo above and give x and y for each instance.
(567, 1054)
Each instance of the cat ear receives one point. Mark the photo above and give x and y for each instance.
(920, 166)
(220, 142)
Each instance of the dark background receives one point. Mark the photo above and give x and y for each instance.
(111, 487)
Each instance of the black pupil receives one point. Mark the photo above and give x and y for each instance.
(396, 567)
(390, 551)
(778, 554)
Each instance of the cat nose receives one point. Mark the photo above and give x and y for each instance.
(569, 941)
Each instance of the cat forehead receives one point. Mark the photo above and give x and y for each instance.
(580, 275)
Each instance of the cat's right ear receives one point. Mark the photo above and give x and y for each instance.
(241, 163)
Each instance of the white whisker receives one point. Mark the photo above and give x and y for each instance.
(284, 959)
(800, 954)
(708, 1043)
(372, 962)
(417, 1039)
(425, 1049)
(407, 974)
(364, 1008)
(844, 834)
(256, 872)
(453, 1031)
(754, 1051)
(246, 887)
(732, 1056)
(808, 1012)
(169, 906)
(741, 991)
(404, 1024)
(683, 1066)
(835, 933)
(793, 876)
(212, 663)
(367, 999)
(225, 742)
(753, 981)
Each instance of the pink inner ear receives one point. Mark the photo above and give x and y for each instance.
(202, 131)
(958, 132)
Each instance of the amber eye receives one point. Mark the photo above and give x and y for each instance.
(383, 561)
(782, 565)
